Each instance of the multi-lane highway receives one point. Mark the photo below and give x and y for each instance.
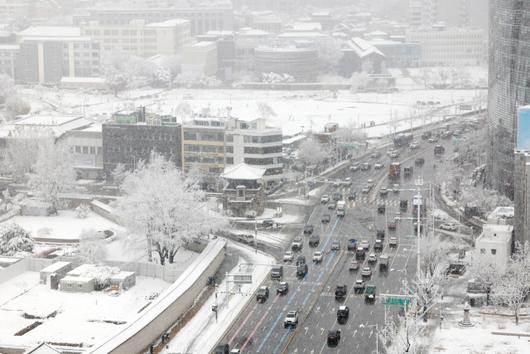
(260, 328)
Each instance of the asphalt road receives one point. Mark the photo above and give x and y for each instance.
(260, 328)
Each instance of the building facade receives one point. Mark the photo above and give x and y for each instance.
(399, 54)
(522, 196)
(254, 144)
(509, 86)
(299, 62)
(422, 13)
(494, 247)
(441, 46)
(86, 147)
(8, 59)
(140, 38)
(203, 141)
(200, 59)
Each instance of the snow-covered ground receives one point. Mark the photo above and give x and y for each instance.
(79, 317)
(453, 339)
(66, 225)
(202, 332)
(273, 214)
(313, 108)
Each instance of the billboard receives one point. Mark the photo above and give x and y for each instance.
(523, 128)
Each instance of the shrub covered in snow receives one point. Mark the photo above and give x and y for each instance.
(14, 239)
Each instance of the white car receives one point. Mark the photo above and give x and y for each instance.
(291, 319)
(378, 166)
(448, 227)
(347, 181)
(372, 258)
(288, 256)
(324, 198)
(318, 256)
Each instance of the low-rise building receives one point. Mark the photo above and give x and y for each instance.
(203, 141)
(244, 193)
(255, 144)
(359, 55)
(494, 247)
(299, 62)
(86, 147)
(398, 54)
(58, 268)
(77, 284)
(200, 59)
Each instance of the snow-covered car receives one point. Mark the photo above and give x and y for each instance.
(372, 258)
(365, 244)
(283, 288)
(347, 181)
(393, 242)
(324, 199)
(358, 286)
(288, 256)
(355, 167)
(383, 191)
(366, 190)
(318, 256)
(297, 244)
(414, 145)
(448, 226)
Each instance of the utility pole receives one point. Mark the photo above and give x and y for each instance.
(418, 233)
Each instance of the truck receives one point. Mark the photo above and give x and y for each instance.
(276, 273)
(263, 294)
(402, 140)
(301, 270)
(383, 263)
(352, 244)
(341, 208)
(340, 292)
(394, 170)
(407, 171)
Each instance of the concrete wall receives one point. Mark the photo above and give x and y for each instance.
(168, 307)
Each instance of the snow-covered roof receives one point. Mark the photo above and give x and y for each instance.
(169, 23)
(304, 27)
(311, 34)
(363, 48)
(43, 348)
(293, 139)
(121, 275)
(243, 172)
(55, 267)
(48, 120)
(82, 269)
(76, 279)
(9, 47)
(51, 31)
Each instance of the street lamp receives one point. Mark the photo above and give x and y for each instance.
(376, 335)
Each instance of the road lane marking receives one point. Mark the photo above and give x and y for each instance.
(242, 325)
(259, 324)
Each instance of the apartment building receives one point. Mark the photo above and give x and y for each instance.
(255, 144)
(140, 38)
(202, 19)
(450, 46)
(48, 53)
(203, 141)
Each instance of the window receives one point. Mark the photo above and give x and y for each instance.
(482, 251)
(92, 150)
(78, 149)
(493, 251)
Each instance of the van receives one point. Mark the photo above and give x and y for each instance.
(341, 208)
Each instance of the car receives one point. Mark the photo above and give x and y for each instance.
(383, 262)
(222, 349)
(393, 242)
(378, 245)
(332, 205)
(347, 181)
(375, 155)
(297, 244)
(301, 270)
(276, 272)
(342, 314)
(335, 245)
(314, 240)
(369, 293)
(403, 205)
(358, 286)
(381, 209)
(288, 256)
(380, 234)
(366, 272)
(432, 140)
(360, 252)
(326, 218)
(291, 319)
(263, 294)
(366, 166)
(308, 229)
(336, 184)
(414, 145)
(354, 265)
(426, 135)
(334, 337)
(337, 196)
(355, 167)
(379, 166)
(395, 188)
(352, 244)
(372, 258)
(366, 189)
(235, 351)
(300, 260)
(420, 161)
(283, 288)
(352, 196)
(370, 182)
(383, 191)
(448, 227)
(340, 292)
(394, 154)
(365, 244)
(318, 256)
(391, 225)
(324, 199)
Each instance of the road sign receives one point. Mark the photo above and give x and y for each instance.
(388, 299)
(242, 278)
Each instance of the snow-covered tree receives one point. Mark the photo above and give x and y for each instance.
(161, 76)
(118, 174)
(116, 81)
(312, 152)
(53, 172)
(159, 205)
(329, 54)
(16, 106)
(400, 334)
(183, 110)
(265, 110)
(275, 78)
(7, 87)
(14, 239)
(433, 252)
(91, 246)
(513, 289)
(82, 211)
(359, 81)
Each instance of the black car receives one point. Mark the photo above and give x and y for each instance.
(337, 196)
(340, 292)
(300, 260)
(283, 288)
(420, 161)
(308, 229)
(381, 209)
(314, 240)
(334, 337)
(222, 349)
(352, 196)
(301, 270)
(380, 234)
(342, 314)
(326, 218)
(352, 244)
(263, 294)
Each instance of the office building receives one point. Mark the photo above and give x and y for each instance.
(509, 87)
(442, 46)
(398, 54)
(86, 147)
(247, 40)
(226, 51)
(522, 196)
(48, 53)
(140, 38)
(285, 6)
(300, 62)
(133, 136)
(202, 19)
(203, 141)
(8, 59)
(200, 59)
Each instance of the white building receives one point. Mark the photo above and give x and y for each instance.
(140, 38)
(255, 144)
(494, 247)
(200, 59)
(451, 46)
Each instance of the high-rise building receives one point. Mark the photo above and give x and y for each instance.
(509, 86)
(422, 13)
(522, 196)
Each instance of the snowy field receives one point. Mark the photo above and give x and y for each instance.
(202, 332)
(452, 339)
(79, 316)
(295, 111)
(65, 226)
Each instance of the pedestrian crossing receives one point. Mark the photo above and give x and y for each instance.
(380, 201)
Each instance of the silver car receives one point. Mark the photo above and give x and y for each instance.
(366, 272)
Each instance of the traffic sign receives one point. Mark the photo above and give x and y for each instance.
(387, 299)
(242, 278)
